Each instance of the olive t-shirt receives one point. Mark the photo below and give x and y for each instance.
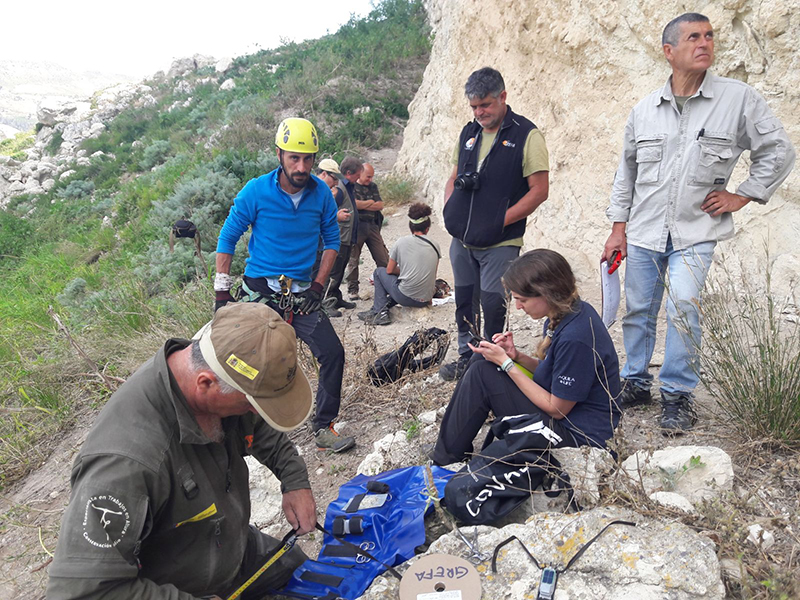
(534, 156)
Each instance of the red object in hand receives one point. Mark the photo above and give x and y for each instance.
(615, 262)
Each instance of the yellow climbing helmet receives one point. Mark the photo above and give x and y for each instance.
(297, 135)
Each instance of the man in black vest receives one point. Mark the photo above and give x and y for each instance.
(499, 178)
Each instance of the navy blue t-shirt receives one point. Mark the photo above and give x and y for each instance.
(581, 366)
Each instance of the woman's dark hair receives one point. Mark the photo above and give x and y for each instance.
(418, 211)
(544, 273)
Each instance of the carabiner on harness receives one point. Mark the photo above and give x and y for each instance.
(286, 299)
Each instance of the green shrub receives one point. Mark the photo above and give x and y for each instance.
(155, 154)
(15, 147)
(54, 144)
(16, 235)
(396, 190)
(77, 188)
(750, 357)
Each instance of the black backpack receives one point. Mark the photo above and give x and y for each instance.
(504, 475)
(389, 367)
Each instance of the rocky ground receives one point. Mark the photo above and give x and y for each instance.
(764, 490)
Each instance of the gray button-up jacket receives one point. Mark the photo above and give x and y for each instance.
(672, 160)
(157, 509)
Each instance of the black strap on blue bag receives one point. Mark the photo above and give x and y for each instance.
(359, 550)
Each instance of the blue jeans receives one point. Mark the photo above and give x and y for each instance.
(646, 276)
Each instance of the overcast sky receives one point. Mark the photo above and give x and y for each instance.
(142, 37)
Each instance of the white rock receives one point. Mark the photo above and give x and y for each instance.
(427, 417)
(96, 129)
(361, 110)
(372, 464)
(671, 470)
(16, 187)
(673, 500)
(383, 444)
(223, 64)
(107, 221)
(228, 84)
(760, 537)
(586, 467)
(83, 161)
(265, 493)
(48, 184)
(66, 174)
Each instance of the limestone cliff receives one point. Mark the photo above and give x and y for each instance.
(576, 69)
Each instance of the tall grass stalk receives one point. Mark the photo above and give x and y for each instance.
(750, 359)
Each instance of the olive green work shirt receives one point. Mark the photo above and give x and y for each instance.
(157, 509)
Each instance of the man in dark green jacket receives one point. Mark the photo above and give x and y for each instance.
(160, 501)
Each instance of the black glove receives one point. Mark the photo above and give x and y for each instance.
(222, 298)
(312, 298)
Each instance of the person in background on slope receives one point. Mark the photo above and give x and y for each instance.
(369, 204)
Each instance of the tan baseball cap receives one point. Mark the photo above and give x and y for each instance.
(329, 165)
(251, 348)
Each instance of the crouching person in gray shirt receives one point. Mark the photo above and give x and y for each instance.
(410, 277)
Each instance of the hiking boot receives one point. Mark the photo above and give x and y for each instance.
(632, 395)
(353, 295)
(366, 315)
(372, 318)
(328, 439)
(382, 318)
(677, 414)
(332, 312)
(454, 370)
(342, 303)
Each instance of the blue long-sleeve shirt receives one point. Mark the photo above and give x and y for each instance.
(284, 239)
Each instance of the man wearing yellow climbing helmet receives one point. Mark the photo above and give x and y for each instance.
(289, 210)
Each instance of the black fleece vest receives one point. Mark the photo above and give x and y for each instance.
(476, 216)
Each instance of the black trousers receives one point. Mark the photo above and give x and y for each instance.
(337, 273)
(483, 388)
(317, 332)
(477, 277)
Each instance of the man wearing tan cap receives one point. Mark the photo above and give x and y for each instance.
(160, 502)
(328, 171)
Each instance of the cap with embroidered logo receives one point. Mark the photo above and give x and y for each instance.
(252, 349)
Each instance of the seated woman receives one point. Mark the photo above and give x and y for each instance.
(410, 277)
(575, 368)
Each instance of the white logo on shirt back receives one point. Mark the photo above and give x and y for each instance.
(105, 521)
(566, 380)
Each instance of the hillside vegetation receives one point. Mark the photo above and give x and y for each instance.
(87, 266)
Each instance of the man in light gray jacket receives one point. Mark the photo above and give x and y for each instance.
(669, 206)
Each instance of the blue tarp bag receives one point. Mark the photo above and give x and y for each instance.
(388, 523)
